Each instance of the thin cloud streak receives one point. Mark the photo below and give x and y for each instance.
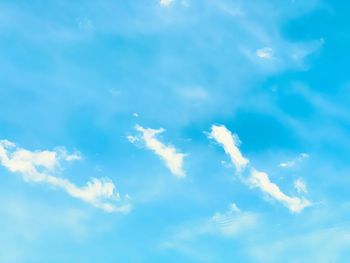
(256, 179)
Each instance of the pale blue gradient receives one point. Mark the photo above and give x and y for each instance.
(73, 73)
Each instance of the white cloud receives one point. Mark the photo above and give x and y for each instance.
(300, 186)
(295, 161)
(230, 144)
(132, 139)
(233, 207)
(287, 164)
(41, 167)
(255, 178)
(69, 157)
(264, 53)
(166, 2)
(262, 181)
(173, 159)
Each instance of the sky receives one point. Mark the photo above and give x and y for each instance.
(177, 131)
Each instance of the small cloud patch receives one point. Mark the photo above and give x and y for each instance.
(172, 157)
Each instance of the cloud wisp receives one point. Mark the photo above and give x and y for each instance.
(172, 158)
(255, 178)
(42, 166)
(166, 2)
(264, 53)
(232, 223)
(300, 186)
(295, 161)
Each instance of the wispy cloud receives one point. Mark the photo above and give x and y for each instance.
(85, 24)
(166, 2)
(233, 221)
(295, 161)
(42, 166)
(300, 186)
(229, 224)
(255, 178)
(173, 159)
(313, 245)
(264, 53)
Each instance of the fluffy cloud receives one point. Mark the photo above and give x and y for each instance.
(255, 178)
(41, 167)
(173, 159)
(230, 144)
(261, 180)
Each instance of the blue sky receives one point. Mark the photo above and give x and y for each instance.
(174, 131)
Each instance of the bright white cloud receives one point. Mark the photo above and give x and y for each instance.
(41, 167)
(255, 178)
(67, 156)
(264, 53)
(262, 181)
(230, 144)
(166, 2)
(300, 186)
(173, 159)
(287, 164)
